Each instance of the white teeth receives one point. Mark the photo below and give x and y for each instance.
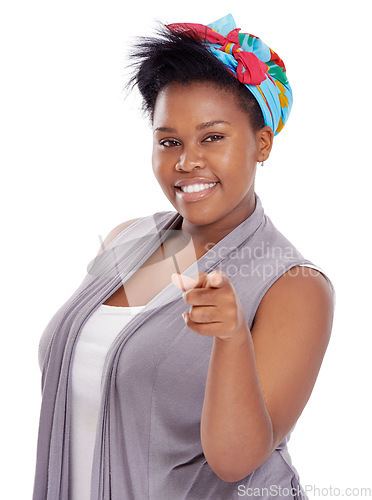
(194, 188)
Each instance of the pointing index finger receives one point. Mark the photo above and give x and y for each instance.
(215, 279)
(184, 282)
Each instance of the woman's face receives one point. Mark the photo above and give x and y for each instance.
(201, 135)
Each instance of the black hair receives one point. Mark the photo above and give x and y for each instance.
(180, 57)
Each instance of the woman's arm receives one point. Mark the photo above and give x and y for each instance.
(259, 382)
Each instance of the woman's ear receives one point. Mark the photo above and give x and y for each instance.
(265, 138)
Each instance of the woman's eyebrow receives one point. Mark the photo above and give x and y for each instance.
(202, 126)
(165, 129)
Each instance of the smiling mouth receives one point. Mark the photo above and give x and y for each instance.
(195, 195)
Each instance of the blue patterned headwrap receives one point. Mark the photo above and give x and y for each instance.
(252, 62)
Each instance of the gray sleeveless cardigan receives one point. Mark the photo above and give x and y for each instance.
(148, 434)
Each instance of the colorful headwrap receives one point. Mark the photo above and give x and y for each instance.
(252, 62)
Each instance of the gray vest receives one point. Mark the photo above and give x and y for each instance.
(148, 434)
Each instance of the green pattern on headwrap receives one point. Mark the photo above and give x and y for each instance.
(277, 72)
(247, 38)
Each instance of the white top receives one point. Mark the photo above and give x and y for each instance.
(95, 339)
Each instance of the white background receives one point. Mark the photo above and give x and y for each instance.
(76, 161)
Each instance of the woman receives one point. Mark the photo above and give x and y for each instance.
(205, 328)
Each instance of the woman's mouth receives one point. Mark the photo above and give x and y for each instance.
(195, 192)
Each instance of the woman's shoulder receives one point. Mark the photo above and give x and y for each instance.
(115, 232)
(301, 294)
(119, 229)
(157, 217)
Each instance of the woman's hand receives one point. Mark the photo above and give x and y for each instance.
(215, 308)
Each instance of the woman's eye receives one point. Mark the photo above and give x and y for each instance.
(213, 138)
(168, 143)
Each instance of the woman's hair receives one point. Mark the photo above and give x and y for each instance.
(181, 58)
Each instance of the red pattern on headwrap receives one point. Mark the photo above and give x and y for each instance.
(276, 59)
(250, 70)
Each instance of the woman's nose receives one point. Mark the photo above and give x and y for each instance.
(189, 160)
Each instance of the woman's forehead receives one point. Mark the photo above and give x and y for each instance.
(201, 101)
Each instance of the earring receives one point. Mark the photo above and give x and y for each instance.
(263, 159)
